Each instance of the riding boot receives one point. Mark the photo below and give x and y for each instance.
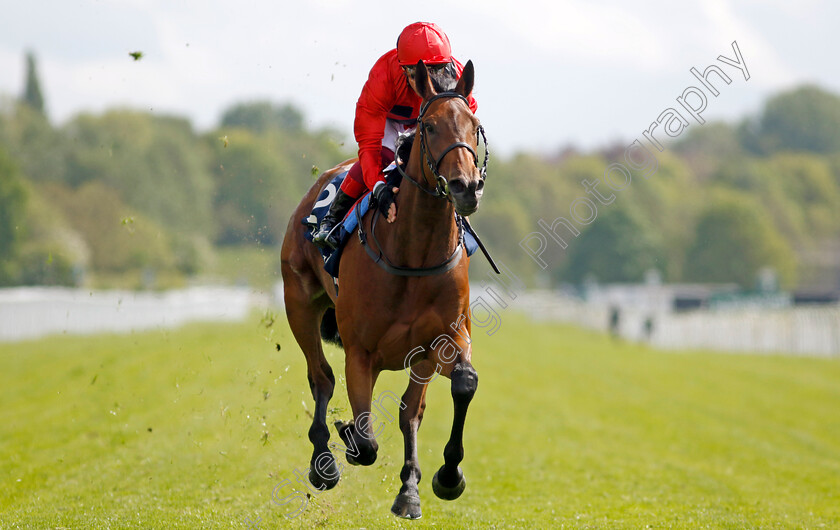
(326, 236)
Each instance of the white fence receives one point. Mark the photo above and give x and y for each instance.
(811, 331)
(794, 331)
(34, 312)
(31, 312)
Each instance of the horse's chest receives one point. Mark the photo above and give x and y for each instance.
(411, 339)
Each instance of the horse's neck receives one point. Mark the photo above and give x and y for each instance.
(425, 233)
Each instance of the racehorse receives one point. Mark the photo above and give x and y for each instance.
(413, 315)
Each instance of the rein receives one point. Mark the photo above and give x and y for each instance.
(441, 190)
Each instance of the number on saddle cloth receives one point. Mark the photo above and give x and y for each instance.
(320, 209)
(322, 205)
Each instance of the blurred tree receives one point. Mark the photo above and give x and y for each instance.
(734, 240)
(53, 253)
(39, 149)
(833, 161)
(251, 187)
(12, 209)
(808, 181)
(501, 225)
(32, 95)
(806, 119)
(709, 148)
(262, 116)
(261, 177)
(745, 174)
(667, 200)
(799, 190)
(155, 163)
(760, 179)
(619, 246)
(45, 264)
(529, 188)
(119, 237)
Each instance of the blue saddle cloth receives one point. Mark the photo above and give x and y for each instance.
(322, 206)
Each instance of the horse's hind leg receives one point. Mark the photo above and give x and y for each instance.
(407, 503)
(305, 319)
(448, 483)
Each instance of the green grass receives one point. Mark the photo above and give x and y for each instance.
(196, 427)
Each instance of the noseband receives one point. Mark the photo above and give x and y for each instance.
(442, 186)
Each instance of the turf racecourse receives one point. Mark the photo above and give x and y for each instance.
(195, 428)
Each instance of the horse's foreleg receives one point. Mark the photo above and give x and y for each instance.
(448, 483)
(407, 503)
(358, 435)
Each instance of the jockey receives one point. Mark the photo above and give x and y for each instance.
(389, 106)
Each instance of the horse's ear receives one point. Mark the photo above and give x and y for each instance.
(465, 84)
(423, 82)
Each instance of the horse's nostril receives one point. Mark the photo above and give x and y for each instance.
(457, 186)
(480, 185)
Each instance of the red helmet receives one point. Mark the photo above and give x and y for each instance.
(423, 41)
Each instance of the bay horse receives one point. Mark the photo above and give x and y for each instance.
(414, 315)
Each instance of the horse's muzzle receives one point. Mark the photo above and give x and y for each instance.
(466, 196)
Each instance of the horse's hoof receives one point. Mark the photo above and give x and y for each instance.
(364, 459)
(407, 506)
(448, 493)
(345, 432)
(324, 477)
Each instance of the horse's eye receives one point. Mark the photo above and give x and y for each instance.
(429, 128)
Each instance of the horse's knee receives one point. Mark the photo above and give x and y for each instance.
(464, 382)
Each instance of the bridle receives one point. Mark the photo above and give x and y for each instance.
(441, 190)
(441, 185)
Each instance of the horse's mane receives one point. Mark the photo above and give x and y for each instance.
(444, 79)
(403, 147)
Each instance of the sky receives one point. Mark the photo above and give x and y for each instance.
(549, 74)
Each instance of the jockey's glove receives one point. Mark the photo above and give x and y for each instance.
(383, 193)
